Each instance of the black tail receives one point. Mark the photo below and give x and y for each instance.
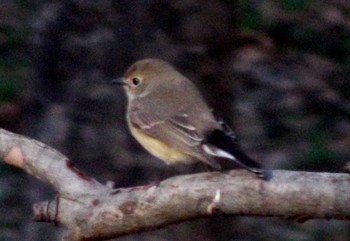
(220, 140)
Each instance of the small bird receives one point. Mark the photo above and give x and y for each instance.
(168, 116)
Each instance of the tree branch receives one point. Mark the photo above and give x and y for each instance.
(92, 211)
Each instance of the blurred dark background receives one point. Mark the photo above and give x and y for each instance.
(276, 70)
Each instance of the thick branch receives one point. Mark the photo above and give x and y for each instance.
(96, 212)
(46, 164)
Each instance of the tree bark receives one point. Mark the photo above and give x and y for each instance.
(93, 211)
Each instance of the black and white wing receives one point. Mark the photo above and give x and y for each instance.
(223, 144)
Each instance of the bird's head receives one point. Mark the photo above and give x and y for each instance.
(145, 76)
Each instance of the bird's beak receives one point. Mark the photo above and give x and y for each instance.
(118, 81)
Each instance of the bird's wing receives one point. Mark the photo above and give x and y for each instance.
(223, 144)
(176, 131)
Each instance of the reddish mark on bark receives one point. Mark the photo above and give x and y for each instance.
(115, 192)
(81, 174)
(39, 210)
(134, 189)
(214, 210)
(145, 206)
(128, 207)
(95, 202)
(144, 187)
(148, 186)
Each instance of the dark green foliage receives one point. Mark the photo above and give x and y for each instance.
(250, 17)
(294, 5)
(14, 61)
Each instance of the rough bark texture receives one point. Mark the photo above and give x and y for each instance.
(92, 211)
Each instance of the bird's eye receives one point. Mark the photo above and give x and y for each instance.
(136, 81)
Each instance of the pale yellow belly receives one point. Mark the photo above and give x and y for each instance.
(160, 150)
